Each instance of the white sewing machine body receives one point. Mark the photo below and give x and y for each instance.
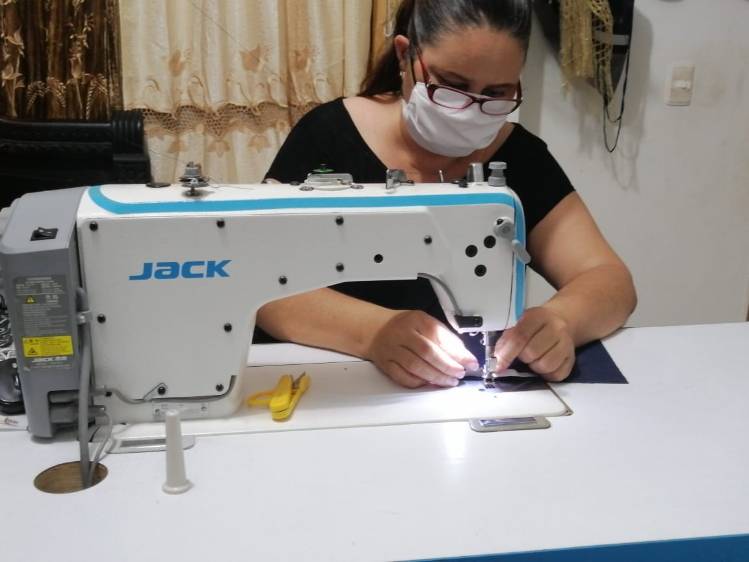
(173, 282)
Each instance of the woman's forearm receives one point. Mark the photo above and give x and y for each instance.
(595, 303)
(324, 318)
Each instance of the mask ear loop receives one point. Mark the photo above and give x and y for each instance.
(411, 59)
(402, 73)
(412, 46)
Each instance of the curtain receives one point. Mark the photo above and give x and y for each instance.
(60, 59)
(383, 20)
(222, 81)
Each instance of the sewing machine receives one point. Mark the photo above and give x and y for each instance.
(151, 292)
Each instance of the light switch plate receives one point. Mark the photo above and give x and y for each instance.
(680, 84)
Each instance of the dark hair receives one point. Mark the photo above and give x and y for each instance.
(425, 20)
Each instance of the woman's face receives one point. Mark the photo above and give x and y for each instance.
(479, 60)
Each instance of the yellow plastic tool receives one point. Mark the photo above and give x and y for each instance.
(282, 400)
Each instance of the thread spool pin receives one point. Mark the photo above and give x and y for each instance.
(176, 478)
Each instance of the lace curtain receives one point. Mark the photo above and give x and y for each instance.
(60, 59)
(222, 81)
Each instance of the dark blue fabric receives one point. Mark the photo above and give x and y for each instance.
(593, 364)
(729, 548)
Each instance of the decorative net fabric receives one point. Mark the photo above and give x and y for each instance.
(586, 28)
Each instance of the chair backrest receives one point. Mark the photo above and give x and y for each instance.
(43, 155)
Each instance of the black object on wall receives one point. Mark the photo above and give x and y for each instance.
(43, 155)
(547, 12)
(622, 11)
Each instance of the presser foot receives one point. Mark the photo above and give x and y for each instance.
(489, 372)
(490, 381)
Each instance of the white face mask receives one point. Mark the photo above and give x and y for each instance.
(449, 132)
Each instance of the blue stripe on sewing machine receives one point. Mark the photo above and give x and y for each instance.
(198, 206)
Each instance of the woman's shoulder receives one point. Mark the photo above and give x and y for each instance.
(523, 150)
(528, 156)
(369, 113)
(369, 103)
(533, 173)
(342, 111)
(326, 114)
(521, 140)
(344, 115)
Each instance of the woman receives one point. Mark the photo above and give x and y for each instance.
(437, 101)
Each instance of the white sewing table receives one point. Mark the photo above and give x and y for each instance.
(663, 458)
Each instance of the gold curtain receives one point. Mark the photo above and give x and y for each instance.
(383, 16)
(222, 81)
(60, 59)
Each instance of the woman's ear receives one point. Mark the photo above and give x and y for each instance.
(401, 44)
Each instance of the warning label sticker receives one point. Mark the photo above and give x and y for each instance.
(46, 321)
(50, 346)
(44, 307)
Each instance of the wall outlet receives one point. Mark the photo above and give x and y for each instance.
(680, 84)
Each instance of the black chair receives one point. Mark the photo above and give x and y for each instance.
(43, 155)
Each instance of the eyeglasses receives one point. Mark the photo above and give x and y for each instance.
(452, 98)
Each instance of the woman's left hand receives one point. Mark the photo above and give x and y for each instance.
(541, 339)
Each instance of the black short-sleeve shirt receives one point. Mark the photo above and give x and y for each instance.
(327, 136)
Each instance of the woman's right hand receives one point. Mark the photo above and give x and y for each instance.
(415, 349)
